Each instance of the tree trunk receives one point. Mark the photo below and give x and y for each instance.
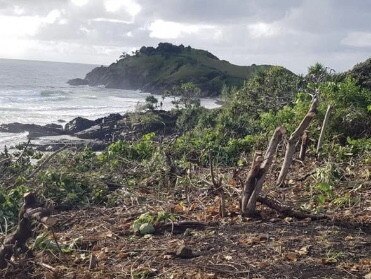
(290, 149)
(255, 179)
(18, 239)
(324, 124)
(304, 145)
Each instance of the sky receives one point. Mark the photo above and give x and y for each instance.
(291, 33)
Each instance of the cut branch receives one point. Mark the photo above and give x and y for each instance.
(255, 179)
(304, 145)
(324, 124)
(294, 138)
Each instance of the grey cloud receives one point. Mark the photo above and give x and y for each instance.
(297, 32)
(217, 11)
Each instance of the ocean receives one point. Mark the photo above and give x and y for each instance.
(37, 92)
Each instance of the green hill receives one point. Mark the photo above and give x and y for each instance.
(157, 69)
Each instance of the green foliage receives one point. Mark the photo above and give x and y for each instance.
(151, 102)
(86, 160)
(137, 151)
(353, 148)
(10, 203)
(350, 116)
(289, 116)
(267, 92)
(196, 146)
(71, 189)
(323, 193)
(43, 242)
(189, 95)
(189, 118)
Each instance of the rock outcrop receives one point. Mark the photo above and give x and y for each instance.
(96, 133)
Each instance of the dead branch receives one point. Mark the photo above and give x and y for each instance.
(323, 128)
(180, 227)
(287, 210)
(23, 151)
(290, 149)
(305, 176)
(255, 179)
(17, 240)
(218, 188)
(40, 167)
(329, 220)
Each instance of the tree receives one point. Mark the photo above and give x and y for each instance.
(151, 102)
(124, 55)
(189, 95)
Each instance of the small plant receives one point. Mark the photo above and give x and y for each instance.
(151, 219)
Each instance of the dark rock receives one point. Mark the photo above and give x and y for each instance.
(113, 117)
(95, 132)
(184, 252)
(78, 124)
(77, 81)
(54, 126)
(33, 129)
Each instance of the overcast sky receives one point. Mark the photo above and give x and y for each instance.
(292, 33)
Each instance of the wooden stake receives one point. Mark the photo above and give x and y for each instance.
(323, 128)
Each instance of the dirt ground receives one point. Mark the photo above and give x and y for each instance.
(99, 242)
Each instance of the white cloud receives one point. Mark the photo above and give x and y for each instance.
(112, 20)
(52, 16)
(132, 7)
(263, 30)
(357, 39)
(18, 26)
(161, 29)
(80, 3)
(18, 10)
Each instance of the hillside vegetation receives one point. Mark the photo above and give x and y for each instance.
(158, 69)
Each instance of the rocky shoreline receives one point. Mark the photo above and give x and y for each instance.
(98, 133)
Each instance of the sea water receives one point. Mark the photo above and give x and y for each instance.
(37, 92)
